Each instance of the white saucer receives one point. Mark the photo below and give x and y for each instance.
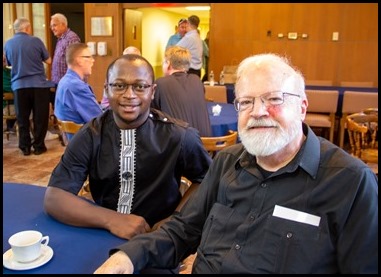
(46, 255)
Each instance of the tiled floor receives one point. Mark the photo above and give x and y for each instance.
(33, 169)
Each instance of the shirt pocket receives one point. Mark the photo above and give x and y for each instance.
(292, 247)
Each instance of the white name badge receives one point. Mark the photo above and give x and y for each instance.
(295, 215)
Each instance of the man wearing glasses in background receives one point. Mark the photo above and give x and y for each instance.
(75, 100)
(180, 32)
(134, 158)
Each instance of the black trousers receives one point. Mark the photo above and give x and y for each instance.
(35, 100)
(195, 71)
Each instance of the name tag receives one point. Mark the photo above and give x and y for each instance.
(296, 215)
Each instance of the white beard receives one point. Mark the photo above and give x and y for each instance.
(269, 142)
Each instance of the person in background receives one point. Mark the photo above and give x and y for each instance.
(128, 50)
(283, 201)
(133, 156)
(10, 123)
(26, 55)
(206, 57)
(193, 43)
(75, 100)
(65, 37)
(180, 94)
(180, 32)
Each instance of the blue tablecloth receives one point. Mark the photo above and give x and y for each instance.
(76, 250)
(227, 120)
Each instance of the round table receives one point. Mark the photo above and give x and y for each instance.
(227, 120)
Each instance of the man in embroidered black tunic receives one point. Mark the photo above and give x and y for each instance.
(133, 156)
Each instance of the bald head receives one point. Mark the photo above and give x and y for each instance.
(131, 50)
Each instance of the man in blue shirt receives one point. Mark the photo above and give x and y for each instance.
(75, 100)
(181, 31)
(26, 55)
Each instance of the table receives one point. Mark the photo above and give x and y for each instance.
(227, 120)
(76, 250)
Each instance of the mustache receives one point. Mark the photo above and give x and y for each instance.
(252, 123)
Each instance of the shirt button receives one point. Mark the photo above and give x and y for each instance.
(165, 119)
(263, 185)
(289, 235)
(237, 246)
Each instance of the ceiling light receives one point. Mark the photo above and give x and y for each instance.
(198, 8)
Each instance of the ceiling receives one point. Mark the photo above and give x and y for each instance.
(169, 7)
(203, 15)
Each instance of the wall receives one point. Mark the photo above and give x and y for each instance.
(254, 28)
(240, 30)
(114, 42)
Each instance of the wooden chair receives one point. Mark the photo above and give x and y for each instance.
(230, 74)
(69, 127)
(72, 128)
(9, 111)
(215, 144)
(321, 111)
(353, 102)
(363, 136)
(216, 94)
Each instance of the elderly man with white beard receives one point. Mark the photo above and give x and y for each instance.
(282, 201)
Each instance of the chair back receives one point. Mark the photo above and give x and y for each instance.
(230, 75)
(363, 135)
(9, 112)
(69, 126)
(353, 102)
(216, 94)
(321, 110)
(215, 144)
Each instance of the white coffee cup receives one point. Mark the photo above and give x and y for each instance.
(26, 245)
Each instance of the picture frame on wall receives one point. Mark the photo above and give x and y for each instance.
(101, 26)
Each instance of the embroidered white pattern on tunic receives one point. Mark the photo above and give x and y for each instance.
(126, 171)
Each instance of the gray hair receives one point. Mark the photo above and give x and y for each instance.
(281, 69)
(21, 24)
(60, 18)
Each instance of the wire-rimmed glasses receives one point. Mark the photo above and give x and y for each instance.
(272, 98)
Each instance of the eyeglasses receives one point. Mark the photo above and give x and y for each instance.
(273, 98)
(121, 88)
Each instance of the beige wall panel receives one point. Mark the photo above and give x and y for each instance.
(356, 63)
(114, 42)
(318, 56)
(360, 22)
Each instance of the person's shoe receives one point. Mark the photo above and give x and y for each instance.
(39, 151)
(26, 151)
(51, 136)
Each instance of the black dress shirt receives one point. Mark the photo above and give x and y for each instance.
(231, 223)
